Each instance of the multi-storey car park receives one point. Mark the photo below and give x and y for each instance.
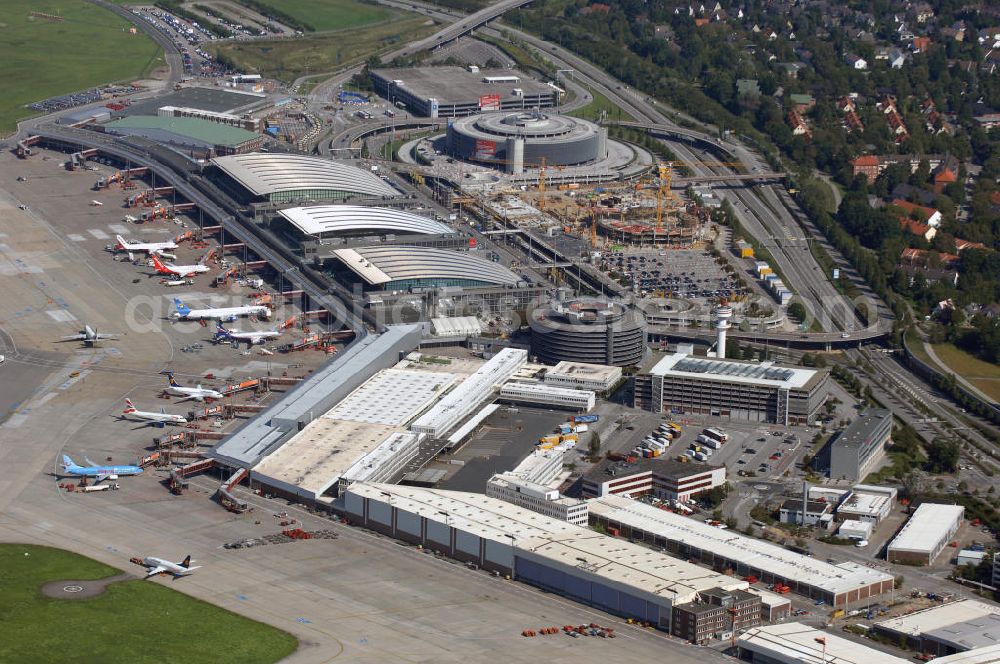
(754, 392)
(837, 585)
(287, 178)
(926, 534)
(588, 330)
(611, 574)
(446, 92)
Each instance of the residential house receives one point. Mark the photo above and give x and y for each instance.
(962, 245)
(855, 61)
(945, 174)
(802, 103)
(790, 69)
(922, 12)
(920, 44)
(852, 122)
(927, 214)
(940, 268)
(798, 124)
(868, 165)
(917, 228)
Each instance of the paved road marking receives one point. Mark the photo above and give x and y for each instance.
(60, 315)
(118, 228)
(98, 233)
(76, 238)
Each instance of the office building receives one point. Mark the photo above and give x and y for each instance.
(510, 488)
(538, 394)
(659, 477)
(716, 614)
(857, 451)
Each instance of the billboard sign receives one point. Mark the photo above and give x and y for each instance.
(836, 273)
(489, 103)
(486, 150)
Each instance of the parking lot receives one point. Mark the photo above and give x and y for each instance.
(683, 273)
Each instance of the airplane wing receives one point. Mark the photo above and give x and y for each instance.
(100, 478)
(191, 569)
(90, 463)
(74, 337)
(159, 569)
(102, 335)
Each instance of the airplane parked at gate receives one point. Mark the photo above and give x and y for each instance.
(185, 312)
(89, 336)
(147, 247)
(158, 419)
(160, 566)
(222, 334)
(178, 270)
(99, 473)
(198, 393)
(97, 203)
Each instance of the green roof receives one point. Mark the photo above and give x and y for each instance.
(206, 131)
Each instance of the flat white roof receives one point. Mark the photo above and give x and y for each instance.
(795, 643)
(865, 503)
(613, 560)
(729, 371)
(984, 655)
(357, 219)
(456, 326)
(927, 527)
(939, 616)
(537, 389)
(474, 421)
(392, 396)
(584, 371)
(363, 468)
(756, 553)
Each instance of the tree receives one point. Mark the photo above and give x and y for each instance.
(797, 311)
(942, 456)
(595, 445)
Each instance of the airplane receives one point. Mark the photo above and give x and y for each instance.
(97, 203)
(223, 313)
(160, 566)
(178, 270)
(148, 247)
(158, 419)
(221, 333)
(89, 336)
(99, 473)
(197, 393)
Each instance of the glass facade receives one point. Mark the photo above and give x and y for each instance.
(310, 194)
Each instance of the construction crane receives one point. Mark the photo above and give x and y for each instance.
(541, 186)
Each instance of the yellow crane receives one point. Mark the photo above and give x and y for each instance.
(541, 186)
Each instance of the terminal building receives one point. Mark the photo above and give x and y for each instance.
(840, 585)
(610, 574)
(449, 92)
(926, 534)
(289, 178)
(588, 330)
(195, 137)
(753, 392)
(659, 477)
(406, 268)
(857, 451)
(316, 226)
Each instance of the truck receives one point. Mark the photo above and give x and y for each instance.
(586, 419)
(581, 428)
(100, 487)
(709, 442)
(552, 440)
(700, 456)
(570, 437)
(565, 428)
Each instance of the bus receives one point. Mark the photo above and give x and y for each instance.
(675, 427)
(717, 434)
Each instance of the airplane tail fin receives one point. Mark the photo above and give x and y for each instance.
(182, 308)
(67, 462)
(170, 377)
(156, 262)
(186, 562)
(220, 330)
(129, 406)
(122, 244)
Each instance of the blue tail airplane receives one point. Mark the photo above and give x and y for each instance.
(100, 473)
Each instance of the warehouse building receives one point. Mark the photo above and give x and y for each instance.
(471, 394)
(838, 585)
(192, 136)
(796, 643)
(538, 394)
(867, 503)
(408, 268)
(287, 178)
(510, 488)
(451, 92)
(609, 574)
(857, 451)
(716, 614)
(229, 119)
(582, 376)
(855, 530)
(588, 330)
(817, 513)
(926, 534)
(656, 476)
(747, 391)
(944, 629)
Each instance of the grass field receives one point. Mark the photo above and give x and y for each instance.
(984, 375)
(133, 622)
(43, 58)
(287, 59)
(598, 106)
(327, 15)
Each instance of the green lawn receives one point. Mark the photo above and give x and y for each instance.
(327, 15)
(598, 106)
(287, 59)
(984, 375)
(42, 58)
(134, 622)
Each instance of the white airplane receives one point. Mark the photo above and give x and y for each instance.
(176, 282)
(160, 566)
(185, 312)
(147, 247)
(89, 336)
(222, 334)
(178, 270)
(197, 393)
(97, 203)
(158, 419)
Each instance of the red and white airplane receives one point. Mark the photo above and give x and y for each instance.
(178, 270)
(147, 247)
(158, 419)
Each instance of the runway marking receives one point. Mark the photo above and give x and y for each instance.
(75, 237)
(15, 421)
(61, 315)
(118, 228)
(98, 233)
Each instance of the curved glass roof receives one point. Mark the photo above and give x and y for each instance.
(265, 174)
(353, 219)
(382, 264)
